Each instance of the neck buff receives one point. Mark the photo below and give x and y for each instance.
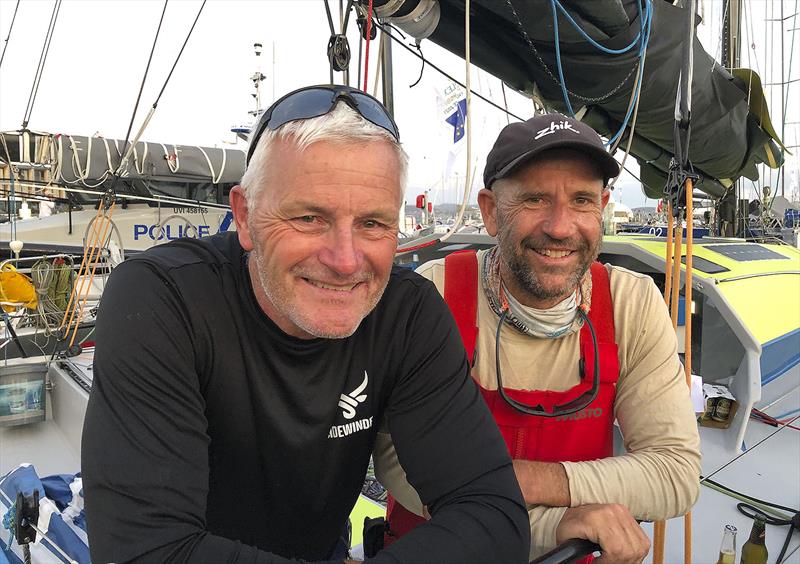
(560, 320)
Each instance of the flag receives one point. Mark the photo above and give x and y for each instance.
(457, 119)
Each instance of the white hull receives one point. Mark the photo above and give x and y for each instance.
(138, 227)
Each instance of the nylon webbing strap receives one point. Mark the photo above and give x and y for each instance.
(601, 313)
(461, 295)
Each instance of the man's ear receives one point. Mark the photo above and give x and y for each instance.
(238, 203)
(488, 205)
(605, 195)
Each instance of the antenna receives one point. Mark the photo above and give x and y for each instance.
(257, 78)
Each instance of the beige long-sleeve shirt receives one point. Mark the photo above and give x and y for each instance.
(658, 477)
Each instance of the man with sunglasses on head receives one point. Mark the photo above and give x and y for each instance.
(540, 319)
(240, 379)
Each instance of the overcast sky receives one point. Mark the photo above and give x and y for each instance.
(99, 51)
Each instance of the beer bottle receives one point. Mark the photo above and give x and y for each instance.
(727, 551)
(754, 551)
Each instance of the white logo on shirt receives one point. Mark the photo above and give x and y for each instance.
(349, 402)
(555, 127)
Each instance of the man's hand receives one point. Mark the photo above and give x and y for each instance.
(543, 483)
(611, 526)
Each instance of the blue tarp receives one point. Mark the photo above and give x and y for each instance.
(61, 517)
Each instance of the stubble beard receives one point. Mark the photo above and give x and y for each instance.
(524, 275)
(282, 300)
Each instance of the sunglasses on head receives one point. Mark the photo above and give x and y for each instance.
(315, 101)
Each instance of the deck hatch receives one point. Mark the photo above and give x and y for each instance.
(705, 265)
(746, 253)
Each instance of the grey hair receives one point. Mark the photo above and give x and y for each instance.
(342, 124)
(503, 184)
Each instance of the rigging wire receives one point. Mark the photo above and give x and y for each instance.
(467, 126)
(785, 87)
(40, 67)
(178, 58)
(14, 17)
(443, 73)
(505, 100)
(152, 111)
(630, 134)
(778, 430)
(125, 149)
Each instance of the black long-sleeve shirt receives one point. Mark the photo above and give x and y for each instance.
(212, 436)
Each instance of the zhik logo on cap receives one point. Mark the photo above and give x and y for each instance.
(562, 125)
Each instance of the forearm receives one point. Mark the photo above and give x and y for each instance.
(659, 475)
(460, 521)
(651, 485)
(543, 483)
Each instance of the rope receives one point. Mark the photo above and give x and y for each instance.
(635, 101)
(378, 66)
(215, 178)
(591, 41)
(587, 99)
(139, 169)
(46, 277)
(173, 167)
(366, 49)
(14, 17)
(668, 261)
(467, 127)
(82, 175)
(643, 38)
(168, 200)
(687, 346)
(40, 67)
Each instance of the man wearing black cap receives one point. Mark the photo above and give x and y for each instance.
(540, 319)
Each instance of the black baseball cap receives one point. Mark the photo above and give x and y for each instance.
(521, 141)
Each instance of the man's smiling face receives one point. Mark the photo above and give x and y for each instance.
(548, 221)
(323, 234)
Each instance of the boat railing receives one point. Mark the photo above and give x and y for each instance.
(54, 278)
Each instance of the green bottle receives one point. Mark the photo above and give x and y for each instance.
(754, 550)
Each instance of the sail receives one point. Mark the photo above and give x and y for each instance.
(84, 162)
(514, 40)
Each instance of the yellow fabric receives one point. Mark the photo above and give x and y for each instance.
(16, 288)
(363, 508)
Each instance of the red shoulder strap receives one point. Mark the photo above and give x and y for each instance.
(601, 313)
(461, 295)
